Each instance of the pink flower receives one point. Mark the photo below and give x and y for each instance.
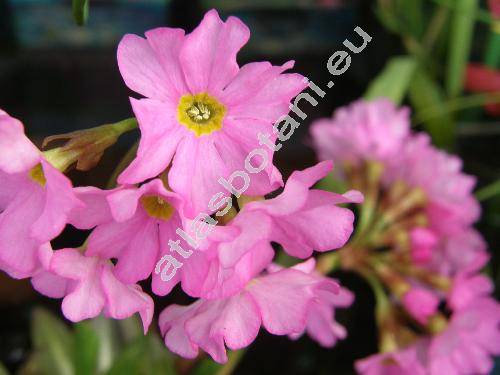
(133, 225)
(46, 282)
(422, 242)
(464, 252)
(35, 198)
(402, 362)
(420, 303)
(306, 219)
(286, 302)
(466, 289)
(202, 113)
(467, 345)
(451, 203)
(300, 219)
(93, 287)
(203, 273)
(362, 131)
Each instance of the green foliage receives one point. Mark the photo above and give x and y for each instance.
(394, 80)
(81, 11)
(425, 94)
(98, 346)
(460, 42)
(86, 349)
(54, 344)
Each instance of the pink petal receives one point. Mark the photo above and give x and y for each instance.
(137, 260)
(283, 308)
(18, 250)
(140, 68)
(17, 153)
(166, 43)
(86, 300)
(60, 199)
(160, 136)
(208, 55)
(95, 208)
(123, 301)
(171, 322)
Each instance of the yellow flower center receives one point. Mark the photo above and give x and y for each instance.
(200, 113)
(157, 207)
(37, 175)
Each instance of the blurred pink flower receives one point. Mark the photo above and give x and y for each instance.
(362, 131)
(422, 242)
(202, 113)
(466, 289)
(469, 342)
(402, 362)
(451, 204)
(420, 303)
(286, 302)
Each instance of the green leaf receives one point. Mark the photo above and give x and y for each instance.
(145, 355)
(489, 191)
(3, 370)
(107, 331)
(394, 80)
(53, 343)
(462, 28)
(131, 359)
(402, 17)
(80, 11)
(425, 95)
(86, 349)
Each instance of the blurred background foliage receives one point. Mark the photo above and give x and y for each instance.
(58, 73)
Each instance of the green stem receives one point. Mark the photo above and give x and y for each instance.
(125, 125)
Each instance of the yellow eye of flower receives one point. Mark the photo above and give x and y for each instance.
(37, 175)
(200, 113)
(157, 207)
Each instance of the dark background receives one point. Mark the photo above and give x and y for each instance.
(58, 77)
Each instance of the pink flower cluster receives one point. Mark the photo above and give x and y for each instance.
(420, 245)
(200, 117)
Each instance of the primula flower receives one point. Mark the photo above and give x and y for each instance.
(203, 274)
(451, 204)
(133, 225)
(362, 131)
(306, 219)
(420, 303)
(468, 288)
(463, 252)
(92, 287)
(35, 198)
(301, 219)
(467, 345)
(202, 113)
(286, 302)
(402, 362)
